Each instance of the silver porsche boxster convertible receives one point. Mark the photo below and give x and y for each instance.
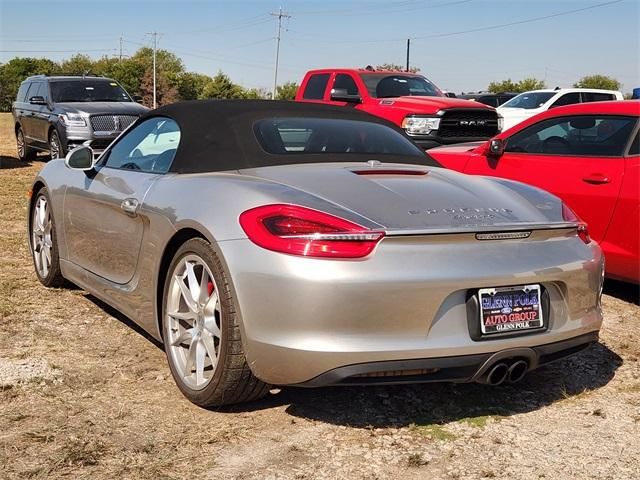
(275, 243)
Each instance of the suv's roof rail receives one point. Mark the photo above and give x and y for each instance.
(52, 75)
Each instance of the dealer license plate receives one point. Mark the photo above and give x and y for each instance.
(510, 309)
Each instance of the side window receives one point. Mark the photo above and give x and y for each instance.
(346, 82)
(36, 90)
(634, 149)
(567, 99)
(149, 147)
(22, 92)
(316, 86)
(587, 136)
(597, 97)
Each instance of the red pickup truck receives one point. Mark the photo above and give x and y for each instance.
(406, 99)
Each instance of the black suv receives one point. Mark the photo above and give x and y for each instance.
(59, 113)
(491, 99)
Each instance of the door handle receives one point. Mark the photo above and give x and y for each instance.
(596, 179)
(130, 206)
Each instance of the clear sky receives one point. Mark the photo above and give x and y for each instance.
(453, 43)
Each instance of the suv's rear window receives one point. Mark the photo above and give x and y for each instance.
(398, 85)
(88, 90)
(324, 135)
(529, 100)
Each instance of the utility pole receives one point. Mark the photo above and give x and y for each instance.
(408, 48)
(120, 48)
(155, 48)
(280, 16)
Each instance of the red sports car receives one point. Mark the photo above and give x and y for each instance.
(587, 154)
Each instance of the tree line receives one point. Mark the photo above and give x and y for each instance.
(590, 81)
(173, 82)
(135, 74)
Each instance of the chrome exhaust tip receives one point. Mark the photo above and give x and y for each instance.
(517, 371)
(497, 374)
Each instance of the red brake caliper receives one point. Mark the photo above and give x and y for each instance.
(210, 287)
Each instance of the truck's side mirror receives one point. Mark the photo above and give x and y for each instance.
(496, 147)
(341, 95)
(137, 99)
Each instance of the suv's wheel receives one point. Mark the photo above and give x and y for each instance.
(55, 146)
(201, 332)
(44, 244)
(25, 153)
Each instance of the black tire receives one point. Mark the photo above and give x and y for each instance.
(55, 145)
(52, 277)
(25, 152)
(232, 380)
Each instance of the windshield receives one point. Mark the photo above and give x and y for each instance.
(328, 135)
(529, 100)
(398, 85)
(88, 90)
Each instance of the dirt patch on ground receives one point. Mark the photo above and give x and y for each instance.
(93, 398)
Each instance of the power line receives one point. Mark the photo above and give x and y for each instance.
(58, 51)
(519, 22)
(314, 38)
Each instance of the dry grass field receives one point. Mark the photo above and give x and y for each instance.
(84, 394)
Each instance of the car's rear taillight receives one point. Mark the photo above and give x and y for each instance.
(570, 216)
(303, 231)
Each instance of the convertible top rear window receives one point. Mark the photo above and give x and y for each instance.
(222, 135)
(330, 136)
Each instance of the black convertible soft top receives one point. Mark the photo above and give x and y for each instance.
(218, 135)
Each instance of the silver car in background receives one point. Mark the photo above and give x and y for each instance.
(298, 244)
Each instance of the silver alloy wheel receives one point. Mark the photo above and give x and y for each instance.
(54, 145)
(193, 320)
(20, 142)
(41, 236)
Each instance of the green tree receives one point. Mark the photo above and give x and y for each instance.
(396, 67)
(221, 86)
(165, 93)
(287, 91)
(255, 94)
(190, 86)
(127, 72)
(15, 71)
(598, 81)
(78, 65)
(509, 85)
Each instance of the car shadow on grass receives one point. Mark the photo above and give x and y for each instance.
(627, 292)
(7, 163)
(440, 403)
(108, 309)
(429, 404)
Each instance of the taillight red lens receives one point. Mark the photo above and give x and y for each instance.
(303, 231)
(570, 216)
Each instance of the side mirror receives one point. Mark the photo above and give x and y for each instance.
(496, 147)
(341, 95)
(450, 95)
(137, 98)
(80, 158)
(37, 100)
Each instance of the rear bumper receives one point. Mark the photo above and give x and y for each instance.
(465, 368)
(302, 318)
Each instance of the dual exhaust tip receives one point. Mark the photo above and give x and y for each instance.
(510, 372)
